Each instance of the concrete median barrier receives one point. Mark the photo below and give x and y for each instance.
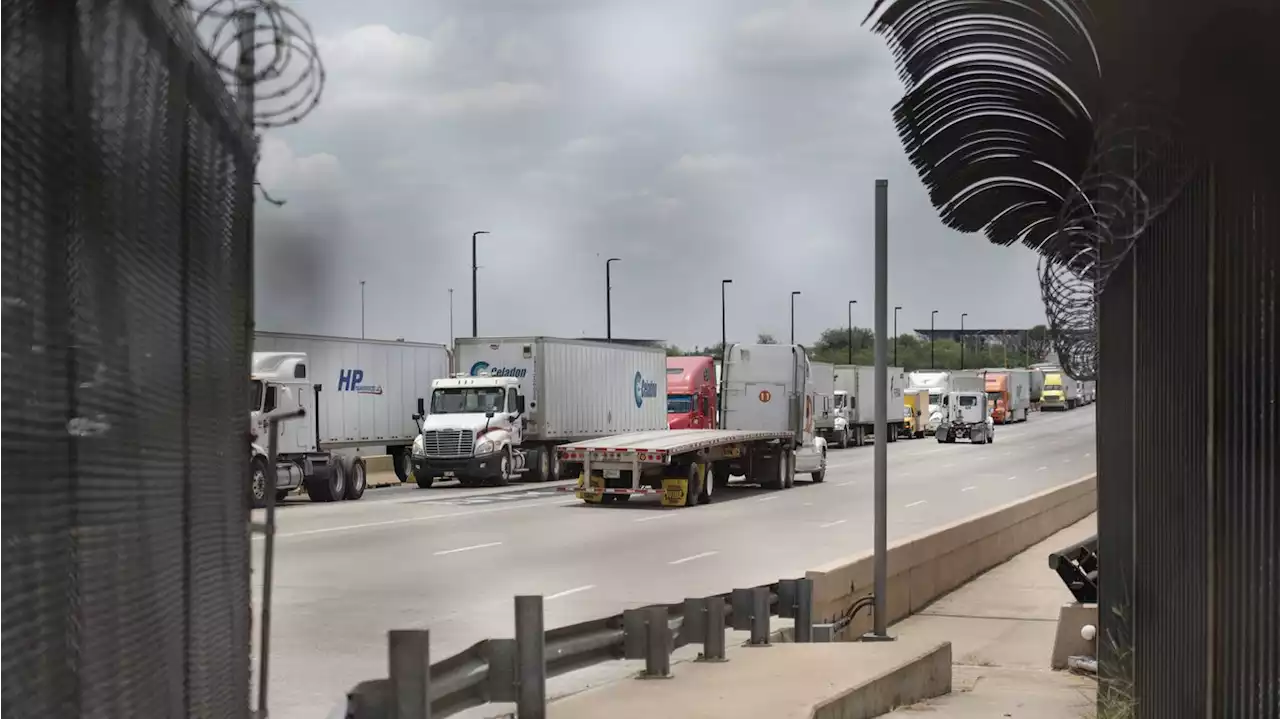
(929, 565)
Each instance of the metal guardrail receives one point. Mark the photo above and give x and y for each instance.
(1077, 565)
(516, 670)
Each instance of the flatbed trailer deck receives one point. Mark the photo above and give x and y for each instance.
(677, 464)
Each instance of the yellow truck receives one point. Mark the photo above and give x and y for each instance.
(915, 413)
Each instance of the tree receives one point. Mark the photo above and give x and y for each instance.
(764, 338)
(1038, 343)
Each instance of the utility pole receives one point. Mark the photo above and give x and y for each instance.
(962, 316)
(895, 335)
(608, 299)
(724, 335)
(793, 315)
(880, 621)
(475, 314)
(451, 317)
(932, 316)
(851, 304)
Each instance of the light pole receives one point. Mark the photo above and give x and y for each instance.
(608, 299)
(361, 309)
(895, 335)
(451, 317)
(475, 314)
(962, 316)
(851, 304)
(932, 316)
(724, 335)
(793, 315)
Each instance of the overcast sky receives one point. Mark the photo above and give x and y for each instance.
(696, 140)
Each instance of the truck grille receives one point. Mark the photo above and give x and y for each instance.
(447, 443)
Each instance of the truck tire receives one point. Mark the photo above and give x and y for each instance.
(541, 469)
(402, 462)
(557, 468)
(357, 479)
(330, 488)
(708, 485)
(693, 494)
(258, 483)
(892, 430)
(506, 468)
(424, 481)
(789, 472)
(768, 473)
(844, 438)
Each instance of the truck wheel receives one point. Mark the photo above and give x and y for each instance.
(402, 462)
(557, 469)
(258, 483)
(693, 493)
(330, 488)
(357, 479)
(506, 467)
(821, 474)
(892, 430)
(789, 470)
(542, 470)
(708, 485)
(424, 480)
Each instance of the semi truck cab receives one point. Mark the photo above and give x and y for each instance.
(472, 431)
(691, 393)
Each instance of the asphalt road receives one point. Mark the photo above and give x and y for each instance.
(451, 560)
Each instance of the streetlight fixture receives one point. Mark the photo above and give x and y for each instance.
(962, 316)
(793, 315)
(724, 341)
(851, 304)
(608, 299)
(361, 309)
(895, 335)
(475, 314)
(932, 316)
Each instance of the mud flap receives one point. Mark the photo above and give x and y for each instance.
(595, 492)
(675, 491)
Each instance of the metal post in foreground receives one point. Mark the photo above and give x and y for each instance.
(880, 627)
(850, 338)
(713, 631)
(657, 649)
(410, 662)
(804, 611)
(932, 316)
(531, 667)
(793, 315)
(759, 617)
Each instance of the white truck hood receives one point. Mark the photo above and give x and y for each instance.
(473, 421)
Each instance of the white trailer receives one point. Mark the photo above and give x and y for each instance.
(855, 391)
(358, 397)
(828, 421)
(516, 398)
(767, 436)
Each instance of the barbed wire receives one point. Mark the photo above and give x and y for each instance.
(1136, 172)
(288, 78)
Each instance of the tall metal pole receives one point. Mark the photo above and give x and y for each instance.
(851, 304)
(793, 315)
(962, 316)
(361, 309)
(932, 316)
(451, 317)
(895, 335)
(475, 313)
(724, 334)
(608, 299)
(880, 624)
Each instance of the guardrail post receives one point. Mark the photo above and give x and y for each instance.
(657, 650)
(804, 610)
(713, 631)
(786, 598)
(760, 617)
(410, 662)
(531, 665)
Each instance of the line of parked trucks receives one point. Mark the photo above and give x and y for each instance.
(623, 418)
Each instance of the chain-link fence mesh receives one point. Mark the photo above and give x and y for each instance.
(127, 287)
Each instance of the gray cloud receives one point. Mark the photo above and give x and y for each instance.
(694, 140)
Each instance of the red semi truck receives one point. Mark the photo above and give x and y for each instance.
(691, 392)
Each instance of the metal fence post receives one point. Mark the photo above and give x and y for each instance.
(410, 660)
(531, 665)
(804, 611)
(657, 650)
(760, 617)
(713, 631)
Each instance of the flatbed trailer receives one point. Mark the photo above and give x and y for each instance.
(677, 464)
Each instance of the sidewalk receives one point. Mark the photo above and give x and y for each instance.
(1001, 627)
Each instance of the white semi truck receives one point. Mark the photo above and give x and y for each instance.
(829, 421)
(515, 399)
(966, 414)
(766, 435)
(358, 397)
(855, 397)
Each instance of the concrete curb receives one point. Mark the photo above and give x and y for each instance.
(930, 565)
(925, 676)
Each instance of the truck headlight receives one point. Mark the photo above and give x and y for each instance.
(418, 451)
(484, 446)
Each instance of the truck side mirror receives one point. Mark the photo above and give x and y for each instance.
(417, 416)
(422, 408)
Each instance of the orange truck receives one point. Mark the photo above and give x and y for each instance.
(1009, 393)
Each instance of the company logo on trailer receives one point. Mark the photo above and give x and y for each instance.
(480, 368)
(352, 380)
(644, 388)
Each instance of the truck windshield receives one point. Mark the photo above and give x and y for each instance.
(679, 403)
(968, 400)
(466, 400)
(255, 395)
(840, 399)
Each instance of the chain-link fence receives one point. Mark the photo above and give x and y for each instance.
(127, 295)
